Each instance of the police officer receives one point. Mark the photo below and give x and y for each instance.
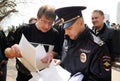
(87, 56)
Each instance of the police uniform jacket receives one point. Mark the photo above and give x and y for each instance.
(112, 39)
(88, 57)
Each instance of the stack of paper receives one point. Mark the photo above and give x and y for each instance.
(52, 73)
(31, 55)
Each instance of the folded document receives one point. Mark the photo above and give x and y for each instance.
(31, 55)
(52, 73)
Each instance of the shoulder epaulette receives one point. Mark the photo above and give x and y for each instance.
(97, 40)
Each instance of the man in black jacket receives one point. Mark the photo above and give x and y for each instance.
(87, 57)
(40, 32)
(109, 35)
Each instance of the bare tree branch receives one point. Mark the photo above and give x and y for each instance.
(2, 4)
(7, 13)
(6, 7)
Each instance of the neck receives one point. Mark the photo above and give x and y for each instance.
(99, 27)
(37, 26)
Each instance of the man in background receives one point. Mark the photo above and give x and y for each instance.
(109, 35)
(3, 58)
(32, 20)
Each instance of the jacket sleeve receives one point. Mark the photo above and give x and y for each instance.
(116, 44)
(100, 67)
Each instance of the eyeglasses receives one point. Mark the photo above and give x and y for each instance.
(46, 22)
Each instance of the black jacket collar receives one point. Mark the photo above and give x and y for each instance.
(100, 31)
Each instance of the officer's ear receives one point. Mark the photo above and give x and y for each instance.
(81, 21)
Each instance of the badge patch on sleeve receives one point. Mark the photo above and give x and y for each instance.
(106, 60)
(83, 57)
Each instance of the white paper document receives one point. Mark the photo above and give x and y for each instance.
(52, 73)
(77, 77)
(31, 55)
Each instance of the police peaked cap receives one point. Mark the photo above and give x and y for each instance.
(68, 15)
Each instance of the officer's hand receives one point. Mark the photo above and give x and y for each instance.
(57, 61)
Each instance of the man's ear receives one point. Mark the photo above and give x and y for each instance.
(81, 21)
(103, 17)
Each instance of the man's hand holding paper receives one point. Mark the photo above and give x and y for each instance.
(33, 58)
(48, 58)
(13, 51)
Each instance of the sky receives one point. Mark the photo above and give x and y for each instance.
(30, 9)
